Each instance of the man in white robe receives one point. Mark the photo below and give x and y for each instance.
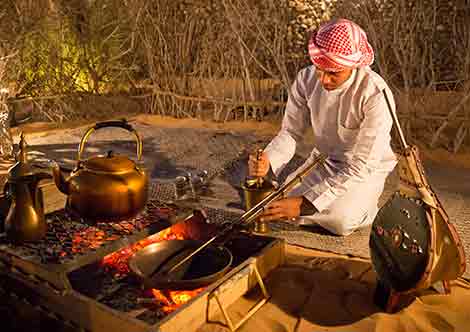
(341, 99)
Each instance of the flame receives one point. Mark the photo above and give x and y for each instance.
(174, 299)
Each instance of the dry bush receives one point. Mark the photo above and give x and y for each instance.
(170, 39)
(6, 141)
(192, 56)
(73, 47)
(66, 49)
(413, 54)
(241, 58)
(224, 59)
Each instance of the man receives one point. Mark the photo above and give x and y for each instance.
(341, 99)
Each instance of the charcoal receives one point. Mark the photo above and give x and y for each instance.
(61, 244)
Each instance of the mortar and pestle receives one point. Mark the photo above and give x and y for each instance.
(255, 189)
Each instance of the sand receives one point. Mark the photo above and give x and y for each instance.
(316, 291)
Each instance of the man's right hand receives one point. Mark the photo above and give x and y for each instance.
(258, 167)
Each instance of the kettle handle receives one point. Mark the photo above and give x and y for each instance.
(113, 123)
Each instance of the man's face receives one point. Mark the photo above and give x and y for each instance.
(332, 80)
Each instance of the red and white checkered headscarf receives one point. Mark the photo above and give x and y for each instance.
(338, 45)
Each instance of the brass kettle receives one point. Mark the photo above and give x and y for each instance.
(108, 188)
(25, 220)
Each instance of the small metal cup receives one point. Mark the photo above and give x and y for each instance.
(182, 188)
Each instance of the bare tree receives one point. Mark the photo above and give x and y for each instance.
(461, 43)
(185, 61)
(6, 141)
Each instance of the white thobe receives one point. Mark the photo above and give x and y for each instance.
(352, 126)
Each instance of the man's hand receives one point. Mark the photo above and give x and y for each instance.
(258, 167)
(283, 209)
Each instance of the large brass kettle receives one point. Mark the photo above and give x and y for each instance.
(110, 187)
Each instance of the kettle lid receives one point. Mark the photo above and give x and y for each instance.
(110, 163)
(22, 167)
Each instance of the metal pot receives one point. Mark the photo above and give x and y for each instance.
(150, 264)
(105, 187)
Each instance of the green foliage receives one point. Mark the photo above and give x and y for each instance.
(78, 46)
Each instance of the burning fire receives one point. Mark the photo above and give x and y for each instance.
(174, 299)
(168, 301)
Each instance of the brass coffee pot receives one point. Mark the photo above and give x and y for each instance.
(255, 189)
(25, 220)
(109, 187)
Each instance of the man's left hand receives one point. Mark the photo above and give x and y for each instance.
(283, 209)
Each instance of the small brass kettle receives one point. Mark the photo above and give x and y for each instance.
(25, 220)
(108, 188)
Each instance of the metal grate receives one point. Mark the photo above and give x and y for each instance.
(69, 237)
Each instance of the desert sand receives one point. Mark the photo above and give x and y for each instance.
(317, 291)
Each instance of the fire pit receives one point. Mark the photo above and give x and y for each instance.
(80, 274)
(71, 243)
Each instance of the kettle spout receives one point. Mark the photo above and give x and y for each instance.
(59, 179)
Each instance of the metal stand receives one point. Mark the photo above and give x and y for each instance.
(233, 327)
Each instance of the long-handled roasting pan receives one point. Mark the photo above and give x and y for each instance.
(189, 264)
(203, 269)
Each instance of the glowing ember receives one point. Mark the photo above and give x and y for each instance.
(81, 240)
(174, 299)
(167, 301)
(91, 237)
